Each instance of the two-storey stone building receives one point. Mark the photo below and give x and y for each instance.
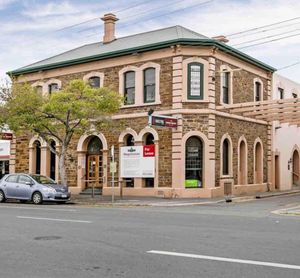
(176, 72)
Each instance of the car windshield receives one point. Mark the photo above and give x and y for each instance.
(43, 179)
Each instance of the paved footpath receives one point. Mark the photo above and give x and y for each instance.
(98, 200)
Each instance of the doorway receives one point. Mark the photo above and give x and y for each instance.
(94, 174)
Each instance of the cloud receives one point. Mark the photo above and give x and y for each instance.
(32, 35)
(5, 3)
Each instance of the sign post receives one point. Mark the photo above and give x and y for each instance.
(113, 173)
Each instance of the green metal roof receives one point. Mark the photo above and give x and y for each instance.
(152, 40)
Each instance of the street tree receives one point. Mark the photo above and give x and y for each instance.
(76, 109)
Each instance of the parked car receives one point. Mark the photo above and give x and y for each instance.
(35, 188)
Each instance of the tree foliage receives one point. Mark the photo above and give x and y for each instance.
(75, 109)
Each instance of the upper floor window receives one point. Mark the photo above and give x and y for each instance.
(195, 81)
(53, 87)
(94, 81)
(149, 85)
(281, 93)
(39, 89)
(129, 88)
(225, 86)
(258, 91)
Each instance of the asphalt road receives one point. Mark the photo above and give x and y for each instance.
(220, 240)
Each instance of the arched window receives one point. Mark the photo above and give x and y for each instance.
(296, 169)
(258, 167)
(129, 87)
(195, 81)
(94, 146)
(37, 147)
(149, 140)
(52, 161)
(149, 85)
(129, 140)
(39, 89)
(194, 162)
(258, 90)
(53, 87)
(94, 81)
(226, 157)
(242, 163)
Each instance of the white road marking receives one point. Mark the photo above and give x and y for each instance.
(53, 219)
(181, 204)
(38, 208)
(221, 259)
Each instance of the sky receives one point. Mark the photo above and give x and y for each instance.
(32, 30)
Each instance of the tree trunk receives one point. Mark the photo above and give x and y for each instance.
(62, 170)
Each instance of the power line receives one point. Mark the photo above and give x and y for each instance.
(95, 18)
(247, 46)
(150, 10)
(264, 26)
(267, 37)
(174, 11)
(289, 66)
(266, 30)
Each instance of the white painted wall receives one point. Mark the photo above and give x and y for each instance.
(285, 137)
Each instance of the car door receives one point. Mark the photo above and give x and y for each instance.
(10, 186)
(24, 187)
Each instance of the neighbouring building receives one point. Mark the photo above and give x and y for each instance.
(286, 139)
(175, 72)
(4, 157)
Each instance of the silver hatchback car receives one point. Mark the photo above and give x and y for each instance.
(35, 188)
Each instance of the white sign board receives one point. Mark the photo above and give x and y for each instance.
(138, 162)
(4, 149)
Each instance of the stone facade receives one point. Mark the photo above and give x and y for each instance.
(200, 119)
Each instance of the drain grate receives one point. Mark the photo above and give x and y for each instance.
(47, 238)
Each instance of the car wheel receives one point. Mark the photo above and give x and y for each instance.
(2, 197)
(37, 198)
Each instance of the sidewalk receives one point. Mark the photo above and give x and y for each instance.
(98, 200)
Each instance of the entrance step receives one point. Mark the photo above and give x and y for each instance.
(89, 191)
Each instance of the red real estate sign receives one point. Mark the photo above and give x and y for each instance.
(149, 151)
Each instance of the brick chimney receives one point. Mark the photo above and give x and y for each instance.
(109, 27)
(221, 38)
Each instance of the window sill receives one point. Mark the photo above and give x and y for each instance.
(195, 100)
(140, 105)
(226, 177)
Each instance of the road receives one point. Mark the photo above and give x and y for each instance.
(240, 240)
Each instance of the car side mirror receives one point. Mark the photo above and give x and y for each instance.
(29, 183)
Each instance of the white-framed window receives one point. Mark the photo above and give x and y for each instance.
(280, 93)
(129, 88)
(195, 79)
(140, 85)
(94, 79)
(226, 84)
(52, 85)
(258, 90)
(149, 85)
